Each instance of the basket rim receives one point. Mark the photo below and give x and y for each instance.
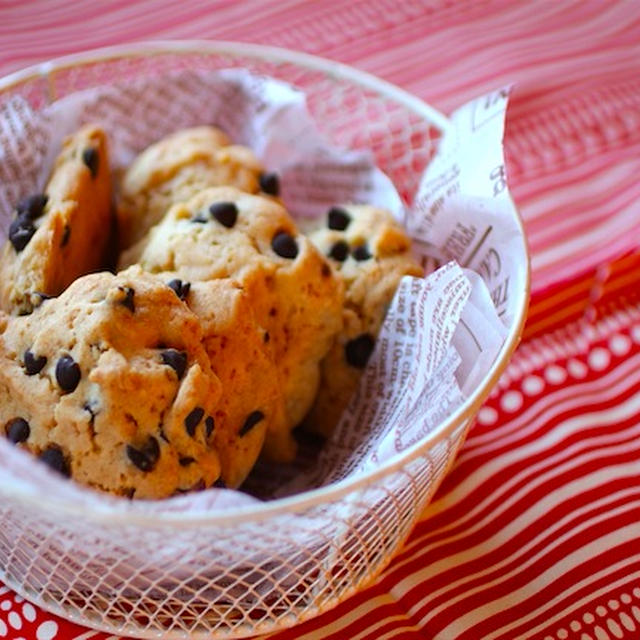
(296, 503)
(259, 51)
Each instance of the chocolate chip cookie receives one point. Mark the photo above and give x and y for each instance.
(110, 384)
(251, 401)
(370, 252)
(63, 233)
(296, 296)
(178, 167)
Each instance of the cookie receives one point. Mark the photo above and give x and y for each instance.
(110, 384)
(251, 401)
(371, 253)
(178, 167)
(296, 297)
(63, 233)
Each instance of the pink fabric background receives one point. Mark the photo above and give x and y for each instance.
(553, 552)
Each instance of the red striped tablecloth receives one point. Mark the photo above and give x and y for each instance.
(536, 532)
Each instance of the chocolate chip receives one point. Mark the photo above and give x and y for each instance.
(180, 288)
(226, 213)
(284, 245)
(177, 360)
(193, 420)
(32, 207)
(252, 420)
(146, 457)
(266, 337)
(21, 230)
(325, 270)
(338, 219)
(17, 430)
(66, 234)
(91, 159)
(126, 299)
(361, 253)
(67, 373)
(209, 426)
(54, 458)
(186, 461)
(339, 251)
(219, 484)
(358, 350)
(270, 183)
(33, 364)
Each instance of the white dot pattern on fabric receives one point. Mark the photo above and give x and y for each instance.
(619, 344)
(635, 333)
(599, 359)
(615, 628)
(3, 629)
(627, 622)
(511, 401)
(47, 630)
(28, 612)
(600, 632)
(577, 369)
(636, 592)
(18, 598)
(532, 385)
(5, 605)
(487, 415)
(555, 374)
(15, 620)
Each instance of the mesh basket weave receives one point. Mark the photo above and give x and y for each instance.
(257, 569)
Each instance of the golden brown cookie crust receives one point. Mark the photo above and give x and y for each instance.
(371, 255)
(251, 399)
(72, 234)
(175, 169)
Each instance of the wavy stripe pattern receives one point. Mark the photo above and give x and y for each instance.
(536, 531)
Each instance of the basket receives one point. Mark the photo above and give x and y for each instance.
(254, 569)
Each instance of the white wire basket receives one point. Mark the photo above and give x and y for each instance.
(255, 569)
